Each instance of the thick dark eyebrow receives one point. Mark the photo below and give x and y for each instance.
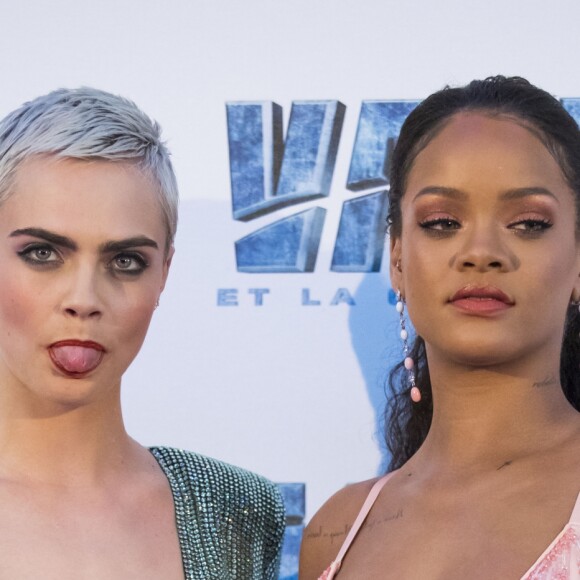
(43, 234)
(64, 242)
(510, 194)
(120, 245)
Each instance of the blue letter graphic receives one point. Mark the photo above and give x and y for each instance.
(379, 125)
(288, 245)
(268, 174)
(361, 233)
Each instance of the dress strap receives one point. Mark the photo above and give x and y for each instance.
(358, 522)
(575, 517)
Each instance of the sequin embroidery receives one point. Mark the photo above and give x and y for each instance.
(230, 522)
(562, 559)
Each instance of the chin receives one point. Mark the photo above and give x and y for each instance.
(481, 360)
(479, 353)
(64, 394)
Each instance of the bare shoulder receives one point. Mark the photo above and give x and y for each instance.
(327, 530)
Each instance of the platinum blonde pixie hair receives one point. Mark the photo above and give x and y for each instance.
(87, 123)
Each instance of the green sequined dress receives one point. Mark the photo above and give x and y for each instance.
(230, 521)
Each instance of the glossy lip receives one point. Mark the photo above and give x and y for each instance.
(76, 342)
(481, 300)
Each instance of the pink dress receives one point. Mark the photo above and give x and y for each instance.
(560, 560)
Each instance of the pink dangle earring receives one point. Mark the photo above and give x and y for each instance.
(409, 362)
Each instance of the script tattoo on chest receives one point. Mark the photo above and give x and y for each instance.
(340, 534)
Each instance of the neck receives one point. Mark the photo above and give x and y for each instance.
(485, 418)
(55, 443)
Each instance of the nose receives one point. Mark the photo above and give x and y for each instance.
(81, 295)
(483, 249)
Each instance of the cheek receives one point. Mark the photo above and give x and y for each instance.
(141, 318)
(127, 333)
(133, 318)
(550, 281)
(424, 268)
(23, 317)
(18, 306)
(422, 281)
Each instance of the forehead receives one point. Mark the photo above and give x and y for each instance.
(104, 198)
(477, 149)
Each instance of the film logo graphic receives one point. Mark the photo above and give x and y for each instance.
(268, 173)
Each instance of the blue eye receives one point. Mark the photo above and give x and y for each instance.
(40, 255)
(129, 263)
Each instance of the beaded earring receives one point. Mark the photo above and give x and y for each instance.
(409, 362)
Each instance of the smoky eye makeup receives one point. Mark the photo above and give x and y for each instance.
(439, 227)
(43, 255)
(532, 218)
(530, 224)
(40, 254)
(437, 217)
(439, 223)
(128, 263)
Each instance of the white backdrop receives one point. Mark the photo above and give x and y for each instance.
(287, 390)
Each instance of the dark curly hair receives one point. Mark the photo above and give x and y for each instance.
(407, 423)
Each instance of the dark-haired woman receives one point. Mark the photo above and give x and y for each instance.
(483, 426)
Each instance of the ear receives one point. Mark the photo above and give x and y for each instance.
(396, 269)
(166, 266)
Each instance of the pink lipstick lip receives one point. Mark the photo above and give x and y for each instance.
(481, 300)
(491, 293)
(89, 344)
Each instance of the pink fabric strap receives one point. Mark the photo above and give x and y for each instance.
(575, 517)
(358, 522)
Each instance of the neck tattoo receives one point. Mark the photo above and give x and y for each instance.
(504, 465)
(547, 382)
